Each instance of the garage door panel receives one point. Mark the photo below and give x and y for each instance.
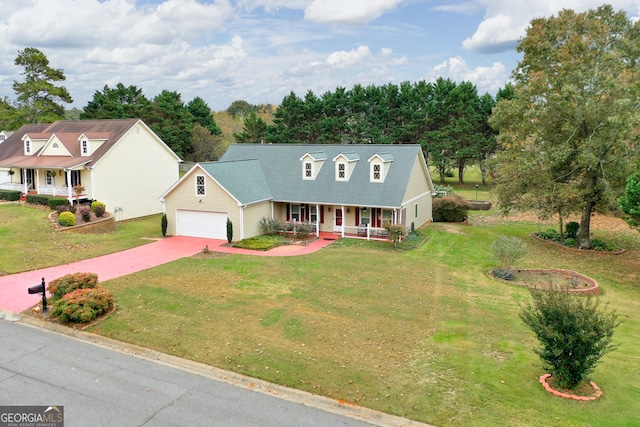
(212, 225)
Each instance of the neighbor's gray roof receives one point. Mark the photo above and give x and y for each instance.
(244, 179)
(283, 171)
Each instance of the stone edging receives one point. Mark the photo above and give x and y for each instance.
(578, 250)
(543, 381)
(594, 290)
(106, 224)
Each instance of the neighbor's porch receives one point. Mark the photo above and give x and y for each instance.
(46, 182)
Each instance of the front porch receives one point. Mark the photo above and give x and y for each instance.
(56, 191)
(43, 182)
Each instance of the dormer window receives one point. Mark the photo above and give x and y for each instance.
(85, 147)
(27, 147)
(345, 164)
(379, 165)
(311, 164)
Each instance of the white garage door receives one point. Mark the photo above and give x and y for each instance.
(212, 225)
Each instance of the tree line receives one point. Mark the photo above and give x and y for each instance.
(448, 119)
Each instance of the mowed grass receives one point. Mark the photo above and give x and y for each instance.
(422, 333)
(28, 241)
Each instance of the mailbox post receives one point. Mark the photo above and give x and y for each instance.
(37, 289)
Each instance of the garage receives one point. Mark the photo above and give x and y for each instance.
(211, 225)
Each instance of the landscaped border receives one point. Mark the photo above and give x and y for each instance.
(594, 290)
(545, 384)
(107, 224)
(578, 250)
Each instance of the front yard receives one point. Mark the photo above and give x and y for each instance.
(423, 333)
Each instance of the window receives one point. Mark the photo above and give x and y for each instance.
(365, 215)
(342, 171)
(27, 147)
(85, 147)
(75, 179)
(295, 212)
(308, 171)
(200, 185)
(376, 172)
(313, 215)
(49, 179)
(55, 145)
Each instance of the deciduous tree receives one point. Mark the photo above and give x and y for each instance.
(574, 112)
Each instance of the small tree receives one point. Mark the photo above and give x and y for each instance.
(229, 230)
(507, 251)
(395, 232)
(574, 333)
(163, 225)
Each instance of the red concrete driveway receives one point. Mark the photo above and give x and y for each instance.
(13, 288)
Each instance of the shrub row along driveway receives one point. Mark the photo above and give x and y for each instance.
(13, 288)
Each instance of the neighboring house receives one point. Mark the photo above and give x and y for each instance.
(121, 163)
(4, 172)
(346, 189)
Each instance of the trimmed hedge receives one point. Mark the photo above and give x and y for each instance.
(54, 202)
(10, 195)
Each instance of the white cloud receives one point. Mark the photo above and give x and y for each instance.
(505, 21)
(486, 79)
(348, 11)
(345, 59)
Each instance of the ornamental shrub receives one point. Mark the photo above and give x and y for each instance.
(507, 251)
(549, 234)
(67, 219)
(83, 305)
(62, 208)
(270, 226)
(70, 282)
(164, 224)
(229, 231)
(98, 208)
(574, 333)
(450, 209)
(85, 213)
(395, 232)
(303, 229)
(630, 203)
(571, 230)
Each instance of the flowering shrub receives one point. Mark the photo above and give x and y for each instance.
(69, 283)
(67, 219)
(83, 305)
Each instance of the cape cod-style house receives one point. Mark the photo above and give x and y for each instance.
(343, 189)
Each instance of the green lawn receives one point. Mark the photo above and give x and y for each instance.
(29, 242)
(422, 333)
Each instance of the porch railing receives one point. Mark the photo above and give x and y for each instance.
(11, 186)
(52, 190)
(365, 232)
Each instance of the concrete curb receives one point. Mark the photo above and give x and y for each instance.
(297, 396)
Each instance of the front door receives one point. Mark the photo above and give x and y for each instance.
(337, 218)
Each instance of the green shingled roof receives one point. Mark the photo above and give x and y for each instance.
(282, 167)
(243, 179)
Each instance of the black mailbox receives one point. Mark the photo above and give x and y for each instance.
(36, 289)
(40, 289)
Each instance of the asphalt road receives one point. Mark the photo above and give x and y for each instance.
(103, 386)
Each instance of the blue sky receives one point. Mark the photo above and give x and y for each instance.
(261, 50)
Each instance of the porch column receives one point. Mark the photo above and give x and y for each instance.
(344, 217)
(317, 220)
(69, 188)
(25, 189)
(37, 183)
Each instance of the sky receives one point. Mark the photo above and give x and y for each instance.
(260, 51)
